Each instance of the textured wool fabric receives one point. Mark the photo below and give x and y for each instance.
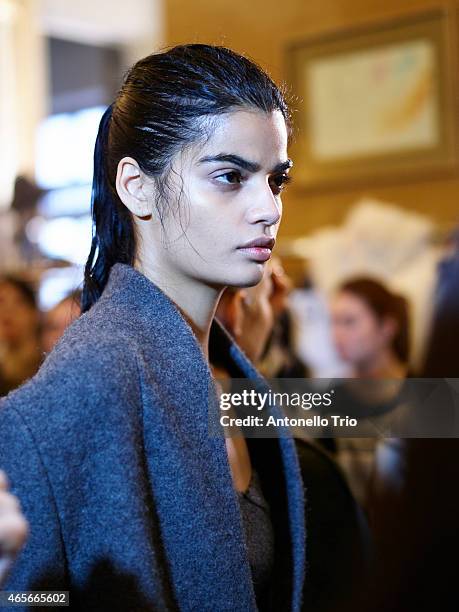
(130, 501)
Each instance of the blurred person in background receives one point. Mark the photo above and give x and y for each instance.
(259, 319)
(441, 354)
(415, 524)
(278, 359)
(56, 320)
(370, 328)
(13, 528)
(20, 354)
(248, 315)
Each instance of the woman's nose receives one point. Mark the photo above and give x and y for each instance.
(265, 208)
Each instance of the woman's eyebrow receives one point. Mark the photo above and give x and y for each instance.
(245, 164)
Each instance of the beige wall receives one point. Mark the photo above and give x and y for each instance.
(263, 29)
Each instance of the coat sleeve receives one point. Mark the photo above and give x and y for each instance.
(41, 563)
(73, 450)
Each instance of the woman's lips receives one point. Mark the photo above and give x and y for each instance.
(258, 249)
(256, 253)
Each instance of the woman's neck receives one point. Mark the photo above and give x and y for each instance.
(196, 301)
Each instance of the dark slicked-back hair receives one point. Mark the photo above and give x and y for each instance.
(167, 102)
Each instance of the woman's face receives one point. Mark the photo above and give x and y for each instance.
(358, 334)
(230, 194)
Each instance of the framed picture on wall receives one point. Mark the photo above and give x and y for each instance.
(375, 103)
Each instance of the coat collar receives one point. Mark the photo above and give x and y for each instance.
(157, 321)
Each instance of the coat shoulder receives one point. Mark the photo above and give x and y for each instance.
(92, 369)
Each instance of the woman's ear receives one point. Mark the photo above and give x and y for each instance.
(132, 189)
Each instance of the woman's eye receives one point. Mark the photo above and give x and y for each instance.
(279, 181)
(234, 177)
(230, 178)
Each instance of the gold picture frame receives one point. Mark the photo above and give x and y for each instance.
(375, 103)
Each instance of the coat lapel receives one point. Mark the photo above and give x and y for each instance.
(196, 505)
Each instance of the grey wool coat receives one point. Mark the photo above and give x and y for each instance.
(130, 501)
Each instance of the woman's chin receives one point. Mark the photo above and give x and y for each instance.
(248, 277)
(239, 276)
